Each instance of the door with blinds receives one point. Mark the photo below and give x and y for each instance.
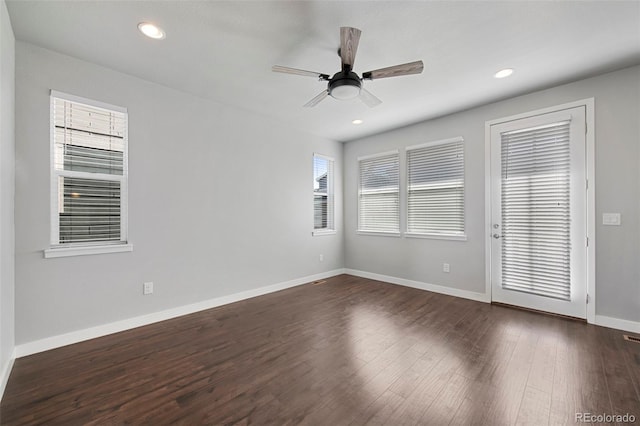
(538, 204)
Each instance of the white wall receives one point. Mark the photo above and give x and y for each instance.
(617, 158)
(7, 155)
(220, 201)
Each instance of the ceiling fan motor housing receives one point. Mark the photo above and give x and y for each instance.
(345, 84)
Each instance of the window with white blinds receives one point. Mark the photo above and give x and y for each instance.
(435, 189)
(535, 190)
(89, 172)
(378, 193)
(323, 198)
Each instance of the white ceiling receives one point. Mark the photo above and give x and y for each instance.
(224, 50)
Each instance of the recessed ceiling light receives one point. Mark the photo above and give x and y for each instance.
(504, 73)
(151, 30)
(358, 121)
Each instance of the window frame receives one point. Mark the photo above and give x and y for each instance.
(436, 235)
(56, 248)
(331, 202)
(360, 230)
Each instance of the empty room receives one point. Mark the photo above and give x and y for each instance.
(319, 212)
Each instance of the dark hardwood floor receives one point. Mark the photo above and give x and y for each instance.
(349, 351)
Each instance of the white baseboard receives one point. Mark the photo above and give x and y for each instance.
(617, 323)
(465, 294)
(127, 324)
(6, 371)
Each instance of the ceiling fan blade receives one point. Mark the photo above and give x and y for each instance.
(296, 71)
(349, 39)
(368, 98)
(395, 71)
(315, 101)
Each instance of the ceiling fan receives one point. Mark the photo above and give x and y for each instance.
(345, 84)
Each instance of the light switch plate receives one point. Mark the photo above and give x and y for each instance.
(611, 219)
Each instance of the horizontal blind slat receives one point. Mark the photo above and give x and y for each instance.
(536, 219)
(89, 141)
(378, 198)
(435, 188)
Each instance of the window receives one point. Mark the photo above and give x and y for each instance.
(435, 189)
(378, 193)
(323, 202)
(88, 175)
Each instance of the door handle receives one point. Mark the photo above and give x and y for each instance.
(496, 236)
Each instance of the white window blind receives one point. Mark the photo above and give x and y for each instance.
(536, 171)
(378, 193)
(89, 171)
(435, 188)
(323, 198)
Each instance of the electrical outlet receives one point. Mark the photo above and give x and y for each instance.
(147, 288)
(321, 257)
(445, 267)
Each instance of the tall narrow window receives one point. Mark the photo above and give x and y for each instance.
(378, 193)
(88, 171)
(435, 189)
(323, 200)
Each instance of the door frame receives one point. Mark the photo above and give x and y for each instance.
(590, 272)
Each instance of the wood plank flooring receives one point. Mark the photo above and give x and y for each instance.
(351, 351)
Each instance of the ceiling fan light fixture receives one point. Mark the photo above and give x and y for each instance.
(345, 85)
(345, 92)
(151, 30)
(504, 73)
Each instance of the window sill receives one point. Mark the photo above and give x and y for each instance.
(379, 233)
(320, 232)
(453, 237)
(86, 250)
